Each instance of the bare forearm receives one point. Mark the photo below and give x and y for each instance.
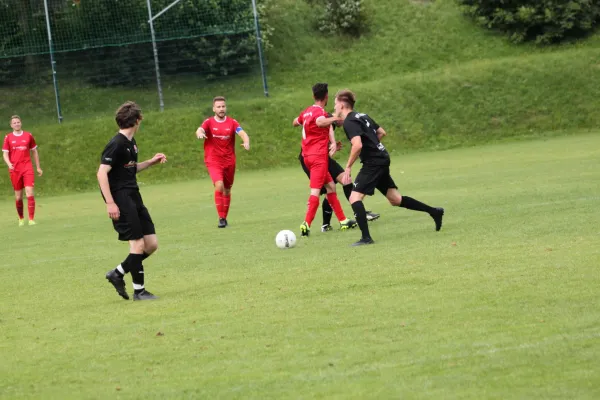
(144, 165)
(354, 153)
(244, 136)
(36, 158)
(105, 187)
(323, 122)
(5, 156)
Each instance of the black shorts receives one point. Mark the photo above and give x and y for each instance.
(371, 177)
(134, 222)
(334, 170)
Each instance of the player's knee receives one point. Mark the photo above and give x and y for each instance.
(219, 186)
(28, 192)
(136, 246)
(395, 199)
(355, 196)
(19, 196)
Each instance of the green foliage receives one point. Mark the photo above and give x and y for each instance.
(543, 21)
(340, 17)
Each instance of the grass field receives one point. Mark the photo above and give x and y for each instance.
(501, 304)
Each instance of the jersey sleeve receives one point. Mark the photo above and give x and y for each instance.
(32, 143)
(206, 125)
(111, 154)
(5, 147)
(352, 128)
(236, 126)
(301, 118)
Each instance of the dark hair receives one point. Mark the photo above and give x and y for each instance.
(218, 98)
(128, 115)
(346, 96)
(320, 90)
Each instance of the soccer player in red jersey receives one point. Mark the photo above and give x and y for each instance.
(318, 143)
(15, 150)
(219, 134)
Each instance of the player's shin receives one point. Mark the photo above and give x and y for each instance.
(137, 271)
(31, 207)
(219, 203)
(336, 206)
(226, 204)
(361, 218)
(415, 205)
(19, 205)
(313, 206)
(327, 212)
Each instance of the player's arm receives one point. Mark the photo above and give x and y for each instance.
(159, 158)
(201, 133)
(381, 133)
(36, 159)
(7, 159)
(333, 147)
(354, 153)
(296, 122)
(111, 207)
(324, 122)
(245, 138)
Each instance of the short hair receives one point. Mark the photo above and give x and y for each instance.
(218, 98)
(320, 90)
(15, 117)
(128, 115)
(346, 96)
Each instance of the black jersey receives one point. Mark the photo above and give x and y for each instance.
(373, 151)
(122, 155)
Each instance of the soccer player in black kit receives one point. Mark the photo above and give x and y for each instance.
(365, 134)
(131, 219)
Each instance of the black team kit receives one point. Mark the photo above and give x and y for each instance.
(134, 221)
(375, 173)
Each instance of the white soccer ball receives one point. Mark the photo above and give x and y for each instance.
(285, 239)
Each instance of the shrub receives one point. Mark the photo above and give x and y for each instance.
(542, 21)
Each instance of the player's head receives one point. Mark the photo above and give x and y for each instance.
(219, 106)
(15, 123)
(129, 115)
(321, 92)
(344, 102)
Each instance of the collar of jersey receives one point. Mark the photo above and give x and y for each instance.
(19, 135)
(216, 120)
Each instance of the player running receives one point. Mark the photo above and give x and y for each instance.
(318, 143)
(16, 152)
(117, 176)
(365, 134)
(219, 134)
(336, 171)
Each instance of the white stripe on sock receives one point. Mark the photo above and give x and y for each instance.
(137, 287)
(120, 269)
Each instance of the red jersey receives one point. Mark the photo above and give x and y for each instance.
(18, 148)
(219, 145)
(315, 140)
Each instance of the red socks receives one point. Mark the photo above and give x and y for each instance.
(336, 206)
(30, 207)
(313, 206)
(219, 203)
(19, 204)
(226, 203)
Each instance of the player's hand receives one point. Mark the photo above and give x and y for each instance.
(113, 211)
(11, 166)
(39, 171)
(332, 149)
(246, 145)
(347, 178)
(338, 145)
(159, 158)
(200, 134)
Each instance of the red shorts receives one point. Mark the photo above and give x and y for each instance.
(319, 170)
(224, 173)
(21, 178)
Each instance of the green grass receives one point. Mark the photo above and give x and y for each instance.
(502, 303)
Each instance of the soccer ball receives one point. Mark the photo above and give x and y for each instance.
(285, 239)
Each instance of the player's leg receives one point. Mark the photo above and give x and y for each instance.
(216, 175)
(318, 171)
(16, 179)
(327, 212)
(228, 178)
(28, 181)
(345, 223)
(364, 184)
(337, 172)
(387, 187)
(149, 246)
